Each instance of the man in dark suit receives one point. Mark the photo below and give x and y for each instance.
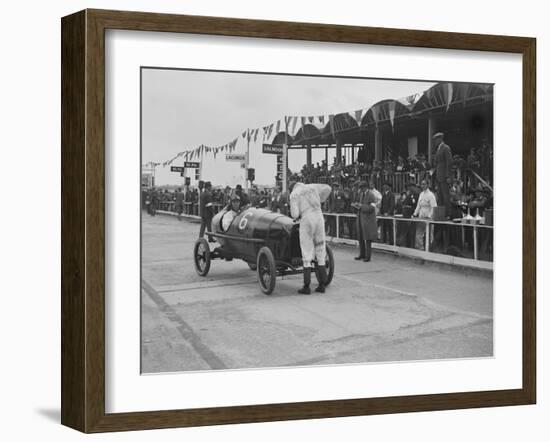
(366, 221)
(387, 208)
(205, 210)
(336, 204)
(179, 202)
(443, 171)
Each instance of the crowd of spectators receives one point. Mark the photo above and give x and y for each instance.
(415, 199)
(479, 160)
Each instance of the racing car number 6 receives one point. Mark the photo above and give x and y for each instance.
(244, 221)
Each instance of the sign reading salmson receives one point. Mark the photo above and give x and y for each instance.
(276, 149)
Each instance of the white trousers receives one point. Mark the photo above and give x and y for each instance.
(312, 238)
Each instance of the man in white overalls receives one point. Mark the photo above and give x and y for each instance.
(305, 205)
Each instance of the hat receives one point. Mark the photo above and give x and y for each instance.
(238, 187)
(438, 135)
(235, 197)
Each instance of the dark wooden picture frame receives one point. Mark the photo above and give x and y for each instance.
(83, 220)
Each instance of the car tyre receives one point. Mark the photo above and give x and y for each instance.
(201, 257)
(267, 272)
(329, 263)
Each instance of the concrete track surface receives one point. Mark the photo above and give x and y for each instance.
(391, 309)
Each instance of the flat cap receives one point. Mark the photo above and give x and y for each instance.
(438, 135)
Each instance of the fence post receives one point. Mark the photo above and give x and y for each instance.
(427, 240)
(337, 226)
(475, 242)
(394, 224)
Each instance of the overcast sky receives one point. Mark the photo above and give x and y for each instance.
(184, 109)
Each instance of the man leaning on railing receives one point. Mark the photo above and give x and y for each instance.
(424, 209)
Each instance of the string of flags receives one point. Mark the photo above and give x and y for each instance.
(293, 124)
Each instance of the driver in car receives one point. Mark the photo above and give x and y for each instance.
(232, 211)
(305, 205)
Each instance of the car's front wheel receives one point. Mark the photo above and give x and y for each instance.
(201, 257)
(267, 272)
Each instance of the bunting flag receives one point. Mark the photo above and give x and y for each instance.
(256, 134)
(233, 144)
(244, 134)
(303, 121)
(294, 120)
(278, 127)
(358, 115)
(448, 95)
(310, 119)
(391, 111)
(269, 131)
(321, 119)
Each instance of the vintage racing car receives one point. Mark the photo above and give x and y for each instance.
(269, 242)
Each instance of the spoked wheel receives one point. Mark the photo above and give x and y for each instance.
(201, 256)
(267, 272)
(329, 263)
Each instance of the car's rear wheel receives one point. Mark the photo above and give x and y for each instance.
(267, 272)
(329, 263)
(201, 257)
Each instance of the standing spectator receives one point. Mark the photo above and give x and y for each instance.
(473, 161)
(407, 229)
(424, 209)
(280, 202)
(205, 210)
(387, 208)
(399, 203)
(377, 196)
(443, 171)
(485, 159)
(366, 222)
(153, 201)
(336, 204)
(179, 197)
(264, 199)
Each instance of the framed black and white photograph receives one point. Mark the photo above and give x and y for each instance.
(292, 220)
(380, 176)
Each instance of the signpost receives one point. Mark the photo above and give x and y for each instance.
(177, 169)
(240, 157)
(275, 149)
(191, 164)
